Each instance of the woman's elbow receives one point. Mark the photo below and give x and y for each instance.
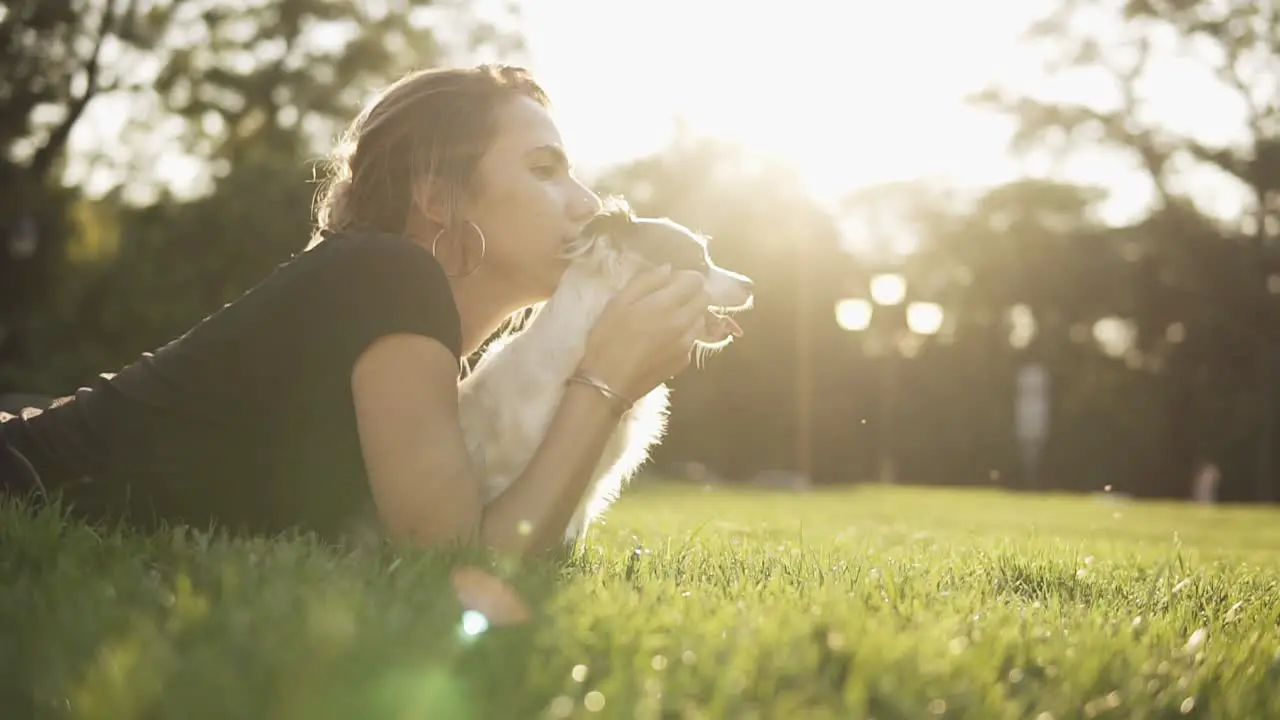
(432, 522)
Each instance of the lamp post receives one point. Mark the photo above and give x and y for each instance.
(891, 328)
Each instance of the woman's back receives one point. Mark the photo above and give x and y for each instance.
(246, 420)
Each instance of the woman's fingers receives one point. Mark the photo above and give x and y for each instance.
(682, 286)
(643, 285)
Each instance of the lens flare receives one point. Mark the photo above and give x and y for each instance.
(474, 623)
(487, 599)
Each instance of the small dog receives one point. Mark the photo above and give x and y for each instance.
(507, 401)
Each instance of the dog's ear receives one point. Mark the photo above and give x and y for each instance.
(615, 218)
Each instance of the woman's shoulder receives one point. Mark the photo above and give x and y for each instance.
(381, 283)
(356, 249)
(378, 264)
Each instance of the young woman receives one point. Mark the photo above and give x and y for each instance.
(332, 385)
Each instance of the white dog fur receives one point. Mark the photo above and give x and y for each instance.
(508, 400)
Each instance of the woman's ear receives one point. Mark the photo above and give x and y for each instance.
(431, 201)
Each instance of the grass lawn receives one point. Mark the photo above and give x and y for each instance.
(688, 603)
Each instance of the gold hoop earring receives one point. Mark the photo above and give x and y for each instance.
(484, 247)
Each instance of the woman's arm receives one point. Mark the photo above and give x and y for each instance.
(424, 485)
(406, 404)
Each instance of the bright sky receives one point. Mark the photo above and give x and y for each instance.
(852, 93)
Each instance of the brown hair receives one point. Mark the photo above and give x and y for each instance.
(432, 125)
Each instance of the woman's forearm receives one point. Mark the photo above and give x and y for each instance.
(531, 515)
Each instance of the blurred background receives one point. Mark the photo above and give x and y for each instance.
(1022, 244)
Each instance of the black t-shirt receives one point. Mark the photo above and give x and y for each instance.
(246, 420)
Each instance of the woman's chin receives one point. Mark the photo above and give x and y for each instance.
(539, 287)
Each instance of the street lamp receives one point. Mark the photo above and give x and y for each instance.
(853, 314)
(898, 332)
(924, 318)
(888, 289)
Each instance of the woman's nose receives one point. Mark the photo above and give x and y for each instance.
(586, 206)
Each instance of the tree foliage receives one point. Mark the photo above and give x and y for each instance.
(1159, 334)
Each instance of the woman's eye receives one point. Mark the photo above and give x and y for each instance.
(545, 172)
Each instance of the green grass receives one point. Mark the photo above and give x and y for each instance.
(885, 603)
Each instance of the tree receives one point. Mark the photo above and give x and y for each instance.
(1213, 276)
(1236, 42)
(226, 68)
(260, 84)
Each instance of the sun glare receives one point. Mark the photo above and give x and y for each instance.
(848, 94)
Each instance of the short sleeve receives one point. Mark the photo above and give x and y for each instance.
(391, 285)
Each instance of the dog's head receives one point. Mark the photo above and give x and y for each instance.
(617, 245)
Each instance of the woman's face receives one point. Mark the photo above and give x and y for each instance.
(528, 203)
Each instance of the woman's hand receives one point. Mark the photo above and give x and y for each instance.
(645, 334)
